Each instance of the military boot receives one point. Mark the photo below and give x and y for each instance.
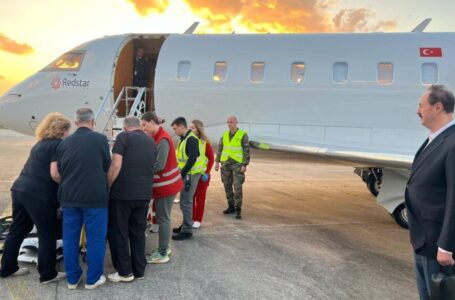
(238, 212)
(229, 210)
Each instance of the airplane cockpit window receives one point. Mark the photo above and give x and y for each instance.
(430, 73)
(385, 73)
(298, 72)
(70, 61)
(257, 71)
(219, 72)
(340, 72)
(183, 70)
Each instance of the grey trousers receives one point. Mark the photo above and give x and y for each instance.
(163, 218)
(425, 268)
(186, 203)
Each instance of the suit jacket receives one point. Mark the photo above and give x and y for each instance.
(83, 160)
(430, 196)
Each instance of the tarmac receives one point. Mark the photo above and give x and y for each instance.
(310, 230)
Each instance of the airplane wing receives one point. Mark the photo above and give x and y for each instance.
(356, 156)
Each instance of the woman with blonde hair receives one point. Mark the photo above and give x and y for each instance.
(34, 197)
(199, 196)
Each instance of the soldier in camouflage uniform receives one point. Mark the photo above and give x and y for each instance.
(234, 155)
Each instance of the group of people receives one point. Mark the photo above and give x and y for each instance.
(108, 196)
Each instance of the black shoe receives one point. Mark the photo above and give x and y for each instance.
(229, 210)
(238, 214)
(182, 236)
(177, 230)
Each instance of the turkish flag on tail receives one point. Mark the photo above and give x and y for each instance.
(430, 52)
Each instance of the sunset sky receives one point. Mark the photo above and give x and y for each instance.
(35, 32)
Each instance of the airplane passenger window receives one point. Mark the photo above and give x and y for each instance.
(430, 73)
(298, 72)
(385, 73)
(183, 70)
(219, 72)
(257, 71)
(70, 61)
(340, 72)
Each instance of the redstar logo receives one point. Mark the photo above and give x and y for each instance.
(56, 83)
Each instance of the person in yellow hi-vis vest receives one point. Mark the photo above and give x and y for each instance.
(190, 158)
(234, 155)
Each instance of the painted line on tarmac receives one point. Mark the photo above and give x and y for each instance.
(18, 288)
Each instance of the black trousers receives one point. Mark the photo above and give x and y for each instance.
(126, 234)
(29, 210)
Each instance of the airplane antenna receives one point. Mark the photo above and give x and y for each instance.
(421, 27)
(192, 28)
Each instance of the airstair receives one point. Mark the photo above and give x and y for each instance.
(107, 117)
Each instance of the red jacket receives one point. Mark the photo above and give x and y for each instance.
(168, 181)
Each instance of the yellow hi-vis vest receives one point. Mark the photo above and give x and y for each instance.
(233, 148)
(182, 157)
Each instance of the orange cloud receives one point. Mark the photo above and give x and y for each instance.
(9, 45)
(348, 20)
(144, 7)
(282, 16)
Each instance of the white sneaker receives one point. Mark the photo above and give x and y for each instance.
(196, 224)
(20, 272)
(60, 276)
(115, 277)
(154, 227)
(100, 281)
(177, 200)
(74, 286)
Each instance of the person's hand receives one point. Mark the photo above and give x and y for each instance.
(205, 177)
(242, 169)
(445, 259)
(217, 166)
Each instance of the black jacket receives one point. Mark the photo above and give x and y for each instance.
(430, 196)
(83, 160)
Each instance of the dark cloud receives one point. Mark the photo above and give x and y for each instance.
(9, 45)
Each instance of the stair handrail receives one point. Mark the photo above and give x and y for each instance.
(113, 109)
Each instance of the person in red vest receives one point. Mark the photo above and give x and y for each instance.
(199, 196)
(167, 182)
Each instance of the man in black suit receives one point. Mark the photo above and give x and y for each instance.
(141, 69)
(430, 192)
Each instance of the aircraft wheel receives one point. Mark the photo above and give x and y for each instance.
(400, 214)
(373, 185)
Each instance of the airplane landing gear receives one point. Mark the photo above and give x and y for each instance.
(400, 214)
(372, 177)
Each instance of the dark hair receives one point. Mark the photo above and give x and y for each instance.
(150, 116)
(179, 121)
(439, 93)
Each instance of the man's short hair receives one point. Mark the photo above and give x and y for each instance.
(440, 93)
(84, 115)
(150, 116)
(131, 122)
(179, 121)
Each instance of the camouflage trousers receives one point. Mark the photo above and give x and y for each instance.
(233, 180)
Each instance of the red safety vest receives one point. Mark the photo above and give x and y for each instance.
(168, 181)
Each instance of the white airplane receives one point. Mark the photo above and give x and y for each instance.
(347, 97)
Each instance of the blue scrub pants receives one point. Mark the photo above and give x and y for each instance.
(95, 221)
